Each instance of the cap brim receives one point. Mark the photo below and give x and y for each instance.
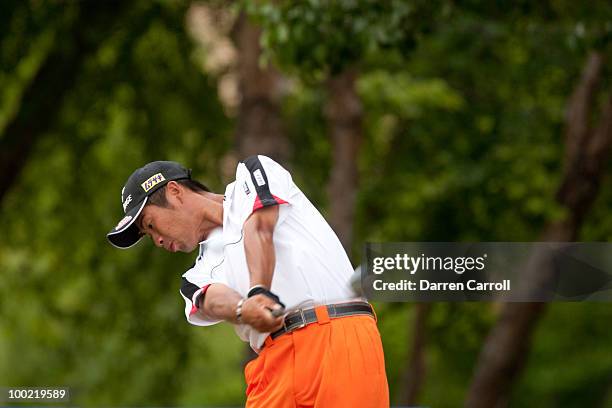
(126, 234)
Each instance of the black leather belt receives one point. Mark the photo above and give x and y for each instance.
(302, 317)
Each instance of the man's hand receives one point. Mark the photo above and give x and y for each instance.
(257, 312)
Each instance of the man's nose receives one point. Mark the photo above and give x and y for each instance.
(157, 240)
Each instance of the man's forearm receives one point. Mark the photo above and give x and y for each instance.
(220, 303)
(259, 245)
(260, 256)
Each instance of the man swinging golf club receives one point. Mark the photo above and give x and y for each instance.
(269, 264)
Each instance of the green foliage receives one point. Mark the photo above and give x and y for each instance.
(320, 38)
(401, 95)
(463, 141)
(76, 312)
(570, 367)
(26, 36)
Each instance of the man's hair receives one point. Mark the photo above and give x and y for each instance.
(158, 198)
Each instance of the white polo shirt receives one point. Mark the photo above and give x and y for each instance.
(312, 267)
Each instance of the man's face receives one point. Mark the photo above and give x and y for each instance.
(173, 228)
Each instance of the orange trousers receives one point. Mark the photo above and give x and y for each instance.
(333, 363)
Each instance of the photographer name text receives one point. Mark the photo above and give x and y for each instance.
(426, 285)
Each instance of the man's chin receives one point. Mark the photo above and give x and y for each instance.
(187, 249)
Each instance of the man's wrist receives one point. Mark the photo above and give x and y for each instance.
(256, 289)
(262, 290)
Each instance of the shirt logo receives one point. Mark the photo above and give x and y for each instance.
(259, 178)
(247, 191)
(152, 182)
(126, 202)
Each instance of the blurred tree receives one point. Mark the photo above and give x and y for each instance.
(461, 130)
(327, 42)
(84, 26)
(482, 170)
(587, 150)
(344, 115)
(259, 128)
(415, 372)
(76, 312)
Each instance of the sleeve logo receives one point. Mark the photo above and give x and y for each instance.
(259, 178)
(152, 182)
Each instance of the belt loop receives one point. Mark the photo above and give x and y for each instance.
(322, 315)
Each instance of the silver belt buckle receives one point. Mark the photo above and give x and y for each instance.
(303, 319)
(293, 327)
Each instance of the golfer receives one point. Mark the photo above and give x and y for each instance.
(269, 264)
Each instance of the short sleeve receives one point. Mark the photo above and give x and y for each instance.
(207, 270)
(191, 294)
(261, 182)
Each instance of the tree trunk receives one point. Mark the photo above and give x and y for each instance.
(344, 114)
(42, 100)
(414, 375)
(259, 128)
(506, 348)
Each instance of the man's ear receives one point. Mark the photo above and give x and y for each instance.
(174, 192)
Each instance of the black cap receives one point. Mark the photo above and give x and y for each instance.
(140, 185)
